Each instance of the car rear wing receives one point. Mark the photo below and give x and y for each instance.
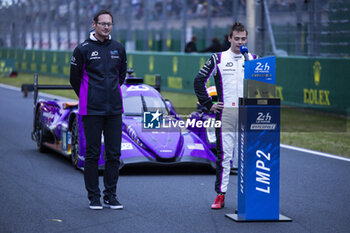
(36, 87)
(131, 79)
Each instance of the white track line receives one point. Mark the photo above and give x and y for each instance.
(315, 152)
(10, 87)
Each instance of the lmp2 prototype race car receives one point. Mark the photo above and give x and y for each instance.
(58, 126)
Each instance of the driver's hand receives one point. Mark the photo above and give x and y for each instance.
(217, 107)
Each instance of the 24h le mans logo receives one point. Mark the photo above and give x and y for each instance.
(152, 120)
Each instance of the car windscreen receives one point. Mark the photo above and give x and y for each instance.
(136, 105)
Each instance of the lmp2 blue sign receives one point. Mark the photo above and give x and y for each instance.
(258, 174)
(259, 149)
(262, 69)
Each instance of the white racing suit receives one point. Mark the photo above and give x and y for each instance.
(227, 69)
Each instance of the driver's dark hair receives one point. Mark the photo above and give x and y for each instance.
(239, 27)
(102, 12)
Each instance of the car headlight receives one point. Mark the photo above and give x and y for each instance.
(211, 137)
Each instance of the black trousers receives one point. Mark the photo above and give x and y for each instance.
(111, 126)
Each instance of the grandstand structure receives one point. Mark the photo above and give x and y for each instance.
(279, 27)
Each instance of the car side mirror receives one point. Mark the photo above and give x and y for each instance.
(170, 107)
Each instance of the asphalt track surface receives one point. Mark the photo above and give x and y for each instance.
(43, 193)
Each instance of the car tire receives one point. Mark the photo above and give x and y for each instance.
(39, 132)
(75, 143)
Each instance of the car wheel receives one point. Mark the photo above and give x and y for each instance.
(39, 132)
(75, 143)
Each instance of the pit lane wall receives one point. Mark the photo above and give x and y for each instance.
(322, 83)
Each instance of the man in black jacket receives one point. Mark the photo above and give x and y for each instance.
(214, 47)
(98, 68)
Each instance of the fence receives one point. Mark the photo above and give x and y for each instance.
(310, 28)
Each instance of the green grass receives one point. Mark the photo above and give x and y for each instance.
(315, 130)
(299, 127)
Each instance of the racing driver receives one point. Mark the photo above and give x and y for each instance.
(227, 68)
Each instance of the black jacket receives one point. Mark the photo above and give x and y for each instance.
(191, 47)
(98, 70)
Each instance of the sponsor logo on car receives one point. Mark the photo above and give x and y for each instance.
(126, 146)
(195, 146)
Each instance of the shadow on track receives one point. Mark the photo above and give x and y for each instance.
(138, 169)
(183, 169)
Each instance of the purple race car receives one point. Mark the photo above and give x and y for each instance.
(58, 126)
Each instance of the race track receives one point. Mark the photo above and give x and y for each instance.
(43, 193)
